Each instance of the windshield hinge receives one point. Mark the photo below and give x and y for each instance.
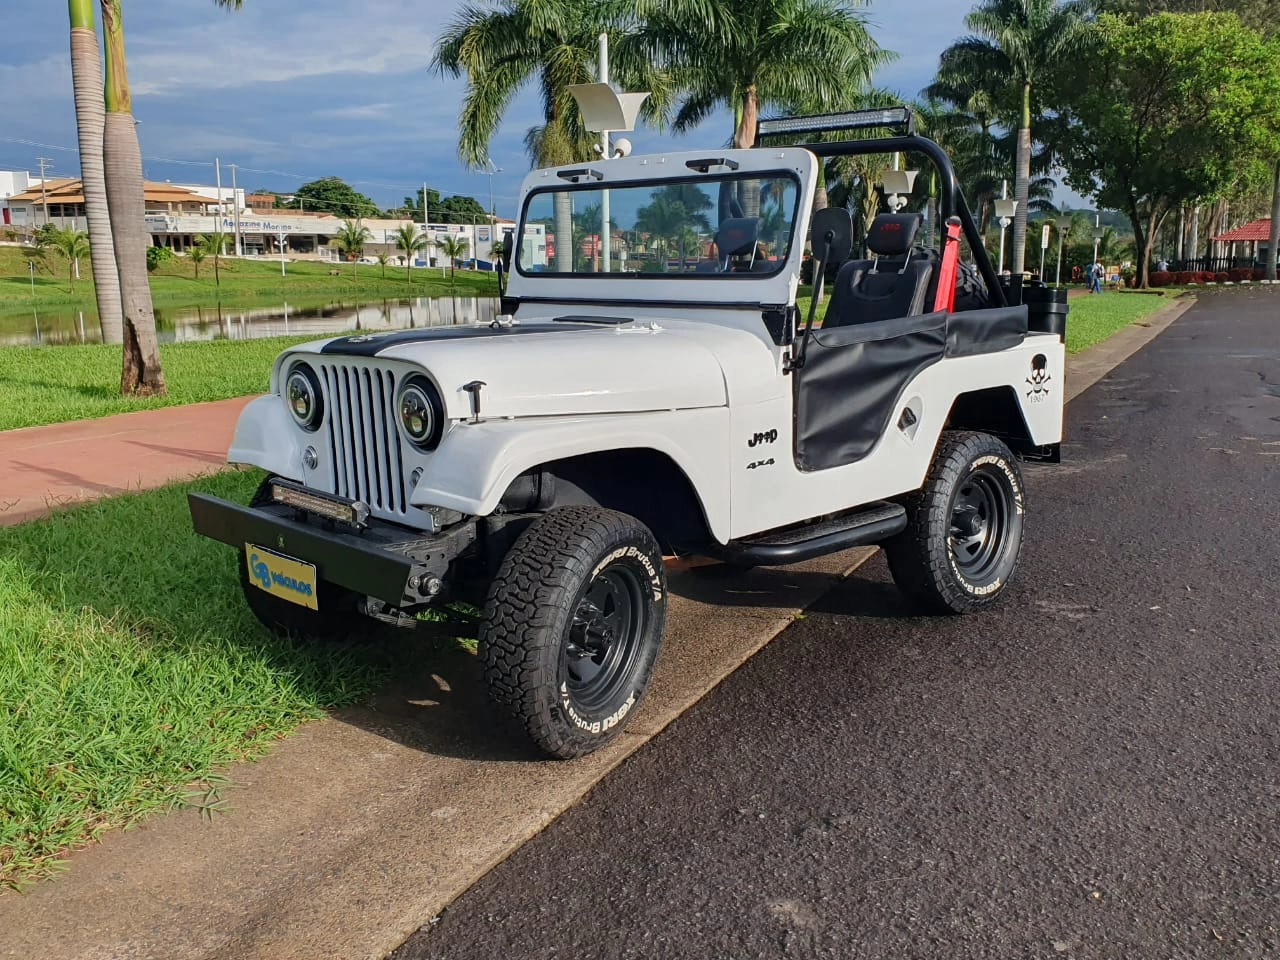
(582, 173)
(705, 165)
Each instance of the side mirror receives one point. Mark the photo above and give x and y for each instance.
(508, 248)
(831, 234)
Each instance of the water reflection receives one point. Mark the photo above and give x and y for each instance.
(219, 322)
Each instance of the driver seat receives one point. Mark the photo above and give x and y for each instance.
(892, 285)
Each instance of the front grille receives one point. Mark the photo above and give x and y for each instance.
(364, 445)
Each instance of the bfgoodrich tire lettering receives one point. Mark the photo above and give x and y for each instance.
(964, 529)
(572, 627)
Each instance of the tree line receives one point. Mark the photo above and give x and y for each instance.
(1150, 107)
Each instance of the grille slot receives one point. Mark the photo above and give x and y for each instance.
(365, 460)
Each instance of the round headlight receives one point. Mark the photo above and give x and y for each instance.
(421, 417)
(302, 394)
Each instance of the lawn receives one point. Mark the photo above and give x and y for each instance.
(1092, 318)
(131, 672)
(174, 283)
(41, 385)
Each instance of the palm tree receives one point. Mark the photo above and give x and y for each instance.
(350, 240)
(382, 262)
(1014, 44)
(212, 245)
(454, 249)
(141, 373)
(554, 43)
(409, 242)
(750, 54)
(71, 245)
(86, 80)
(664, 218)
(196, 255)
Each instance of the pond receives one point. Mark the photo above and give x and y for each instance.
(64, 325)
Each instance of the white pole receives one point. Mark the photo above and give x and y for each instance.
(235, 207)
(282, 273)
(1097, 225)
(217, 174)
(606, 241)
(1004, 225)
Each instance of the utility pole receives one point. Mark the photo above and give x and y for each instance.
(217, 175)
(44, 189)
(235, 207)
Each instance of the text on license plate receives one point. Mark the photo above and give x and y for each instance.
(282, 577)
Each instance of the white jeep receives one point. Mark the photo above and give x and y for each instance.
(651, 389)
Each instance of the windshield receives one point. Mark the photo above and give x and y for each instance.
(704, 227)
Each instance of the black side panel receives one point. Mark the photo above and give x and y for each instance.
(848, 391)
(972, 332)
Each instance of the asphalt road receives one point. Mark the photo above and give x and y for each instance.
(1090, 771)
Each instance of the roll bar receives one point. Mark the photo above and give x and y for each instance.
(952, 201)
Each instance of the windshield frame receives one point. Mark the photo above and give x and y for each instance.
(598, 187)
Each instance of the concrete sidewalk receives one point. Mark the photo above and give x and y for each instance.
(361, 828)
(42, 468)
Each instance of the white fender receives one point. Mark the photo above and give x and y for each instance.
(476, 462)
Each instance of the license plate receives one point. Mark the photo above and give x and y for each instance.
(282, 576)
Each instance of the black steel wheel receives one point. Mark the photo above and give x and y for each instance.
(964, 529)
(572, 627)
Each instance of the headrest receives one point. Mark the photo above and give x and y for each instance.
(893, 234)
(738, 236)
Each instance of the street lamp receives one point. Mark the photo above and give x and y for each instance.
(1063, 230)
(1005, 211)
(282, 242)
(604, 110)
(491, 169)
(897, 186)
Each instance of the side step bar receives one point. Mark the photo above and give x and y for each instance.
(869, 525)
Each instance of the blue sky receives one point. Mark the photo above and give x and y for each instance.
(333, 87)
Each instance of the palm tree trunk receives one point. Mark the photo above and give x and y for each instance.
(1274, 239)
(141, 373)
(744, 136)
(86, 81)
(1022, 183)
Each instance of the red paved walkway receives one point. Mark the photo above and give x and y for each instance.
(46, 467)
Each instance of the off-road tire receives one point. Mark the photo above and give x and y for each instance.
(964, 526)
(971, 292)
(337, 619)
(535, 647)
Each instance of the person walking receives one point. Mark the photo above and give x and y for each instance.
(1096, 272)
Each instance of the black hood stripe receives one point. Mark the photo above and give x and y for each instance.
(370, 345)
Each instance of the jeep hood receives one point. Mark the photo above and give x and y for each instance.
(555, 367)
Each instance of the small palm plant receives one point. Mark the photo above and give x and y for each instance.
(383, 259)
(409, 242)
(351, 239)
(71, 245)
(214, 245)
(453, 249)
(196, 255)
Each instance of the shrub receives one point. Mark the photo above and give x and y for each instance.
(1220, 277)
(1240, 274)
(157, 256)
(1161, 278)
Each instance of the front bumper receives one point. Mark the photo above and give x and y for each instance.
(385, 561)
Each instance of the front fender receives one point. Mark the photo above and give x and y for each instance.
(476, 462)
(266, 437)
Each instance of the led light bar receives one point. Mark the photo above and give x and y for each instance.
(351, 512)
(898, 117)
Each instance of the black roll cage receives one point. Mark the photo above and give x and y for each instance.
(952, 203)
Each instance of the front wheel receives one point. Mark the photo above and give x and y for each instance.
(572, 626)
(964, 530)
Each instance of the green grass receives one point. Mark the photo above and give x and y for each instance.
(243, 281)
(1092, 318)
(131, 672)
(40, 385)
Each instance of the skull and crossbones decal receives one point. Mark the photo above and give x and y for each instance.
(1039, 379)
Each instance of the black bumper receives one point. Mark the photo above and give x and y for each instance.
(364, 562)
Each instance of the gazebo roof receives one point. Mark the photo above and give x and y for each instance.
(1257, 231)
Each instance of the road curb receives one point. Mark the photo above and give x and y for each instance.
(361, 828)
(1091, 365)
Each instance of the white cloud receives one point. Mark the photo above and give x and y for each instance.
(368, 111)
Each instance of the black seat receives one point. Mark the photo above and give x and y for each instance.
(895, 284)
(737, 237)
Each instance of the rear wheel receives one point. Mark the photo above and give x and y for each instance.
(964, 529)
(572, 627)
